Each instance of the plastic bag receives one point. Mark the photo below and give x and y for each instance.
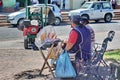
(64, 68)
(47, 34)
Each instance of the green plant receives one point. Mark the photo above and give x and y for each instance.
(114, 57)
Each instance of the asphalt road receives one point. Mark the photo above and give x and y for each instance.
(13, 38)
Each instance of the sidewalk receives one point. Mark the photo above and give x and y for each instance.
(25, 65)
(5, 13)
(62, 11)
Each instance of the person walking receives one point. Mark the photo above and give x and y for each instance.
(54, 2)
(17, 6)
(57, 2)
(79, 42)
(1, 5)
(63, 4)
(114, 3)
(35, 1)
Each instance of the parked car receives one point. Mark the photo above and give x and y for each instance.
(95, 10)
(16, 18)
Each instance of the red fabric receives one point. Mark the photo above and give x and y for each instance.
(0, 3)
(25, 32)
(73, 37)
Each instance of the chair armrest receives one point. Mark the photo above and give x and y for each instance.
(97, 46)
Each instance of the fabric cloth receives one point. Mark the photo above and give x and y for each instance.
(73, 37)
(1, 3)
(83, 43)
(92, 37)
(17, 6)
(113, 1)
(0, 8)
(35, 2)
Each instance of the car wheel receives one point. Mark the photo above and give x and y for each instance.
(26, 43)
(57, 21)
(14, 25)
(108, 18)
(20, 21)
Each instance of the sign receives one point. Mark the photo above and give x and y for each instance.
(9, 3)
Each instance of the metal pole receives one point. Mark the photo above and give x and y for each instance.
(46, 2)
(26, 7)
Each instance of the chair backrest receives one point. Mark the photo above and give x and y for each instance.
(100, 53)
(111, 35)
(106, 40)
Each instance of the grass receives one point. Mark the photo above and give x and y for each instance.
(114, 57)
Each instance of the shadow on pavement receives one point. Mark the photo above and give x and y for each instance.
(115, 64)
(91, 75)
(102, 22)
(30, 74)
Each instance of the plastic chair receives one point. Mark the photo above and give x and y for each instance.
(100, 53)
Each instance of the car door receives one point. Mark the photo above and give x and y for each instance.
(107, 8)
(97, 12)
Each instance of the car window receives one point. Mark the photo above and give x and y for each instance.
(86, 5)
(106, 6)
(97, 6)
(52, 8)
(56, 8)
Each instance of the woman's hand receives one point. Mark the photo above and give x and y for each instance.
(63, 45)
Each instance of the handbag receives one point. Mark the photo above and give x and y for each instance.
(64, 68)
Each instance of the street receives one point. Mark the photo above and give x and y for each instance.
(16, 63)
(11, 37)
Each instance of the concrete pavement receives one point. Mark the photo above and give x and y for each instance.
(16, 63)
(12, 42)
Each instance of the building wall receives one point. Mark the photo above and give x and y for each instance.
(118, 2)
(9, 3)
(75, 4)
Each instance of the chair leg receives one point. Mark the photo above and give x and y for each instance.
(46, 58)
(104, 63)
(45, 63)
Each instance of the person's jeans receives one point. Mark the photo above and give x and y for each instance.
(0, 8)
